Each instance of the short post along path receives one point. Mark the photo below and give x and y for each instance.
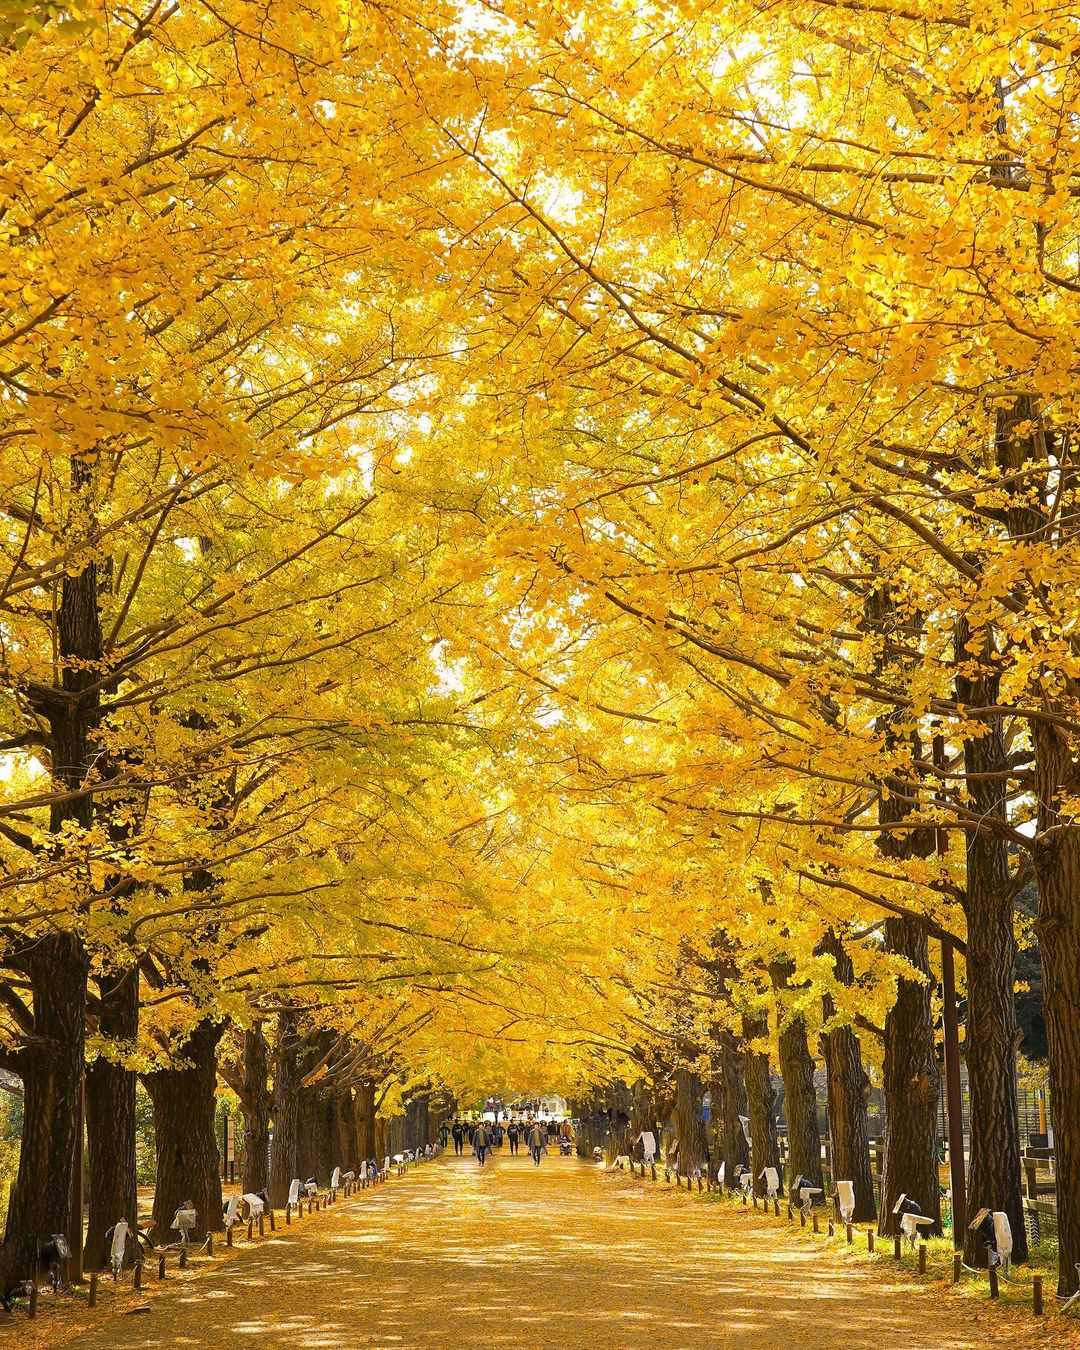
(561, 1255)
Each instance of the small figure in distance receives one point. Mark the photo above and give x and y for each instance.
(481, 1142)
(458, 1132)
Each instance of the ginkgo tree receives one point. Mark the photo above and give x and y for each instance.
(491, 491)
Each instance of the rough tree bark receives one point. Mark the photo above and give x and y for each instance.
(188, 1162)
(910, 1079)
(256, 1100)
(761, 1101)
(911, 1083)
(992, 1034)
(364, 1110)
(848, 1088)
(1057, 863)
(51, 1067)
(51, 1062)
(689, 1128)
(797, 1071)
(110, 1117)
(734, 1150)
(283, 1159)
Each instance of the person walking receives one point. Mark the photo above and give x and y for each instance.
(444, 1134)
(481, 1142)
(537, 1144)
(512, 1136)
(458, 1133)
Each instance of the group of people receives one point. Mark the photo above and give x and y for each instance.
(483, 1136)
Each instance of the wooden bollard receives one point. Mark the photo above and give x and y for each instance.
(832, 1228)
(288, 1215)
(273, 1225)
(32, 1309)
(699, 1185)
(922, 1258)
(228, 1236)
(315, 1202)
(802, 1217)
(776, 1208)
(869, 1239)
(814, 1217)
(653, 1166)
(850, 1233)
(91, 1295)
(1037, 1296)
(992, 1272)
(957, 1266)
(896, 1248)
(251, 1229)
(678, 1182)
(262, 1226)
(744, 1200)
(755, 1200)
(183, 1257)
(209, 1244)
(137, 1281)
(161, 1268)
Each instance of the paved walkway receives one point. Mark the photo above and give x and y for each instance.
(560, 1256)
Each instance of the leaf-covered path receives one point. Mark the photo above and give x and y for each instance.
(557, 1256)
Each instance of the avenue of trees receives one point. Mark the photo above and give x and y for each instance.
(539, 546)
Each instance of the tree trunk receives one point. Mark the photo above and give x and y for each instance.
(256, 1099)
(364, 1109)
(848, 1089)
(110, 1118)
(910, 1077)
(1057, 862)
(51, 1067)
(911, 1085)
(994, 1179)
(797, 1071)
(347, 1150)
(761, 1099)
(284, 1163)
(188, 1162)
(310, 1127)
(52, 1062)
(382, 1139)
(734, 1150)
(689, 1128)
